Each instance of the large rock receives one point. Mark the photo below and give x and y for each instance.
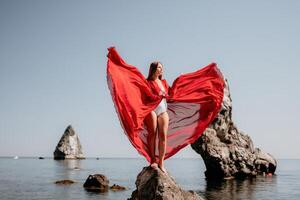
(228, 152)
(153, 184)
(100, 183)
(69, 146)
(97, 183)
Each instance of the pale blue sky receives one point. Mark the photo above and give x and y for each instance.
(53, 67)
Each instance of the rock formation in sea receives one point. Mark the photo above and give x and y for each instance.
(228, 152)
(100, 183)
(96, 183)
(69, 146)
(153, 184)
(65, 182)
(116, 187)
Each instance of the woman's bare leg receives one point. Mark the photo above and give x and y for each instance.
(163, 123)
(151, 123)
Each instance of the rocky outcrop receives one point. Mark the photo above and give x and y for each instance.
(69, 146)
(64, 182)
(228, 152)
(100, 183)
(153, 184)
(96, 183)
(116, 187)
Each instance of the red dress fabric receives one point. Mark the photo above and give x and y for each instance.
(193, 101)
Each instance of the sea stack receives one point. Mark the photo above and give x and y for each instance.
(69, 146)
(227, 152)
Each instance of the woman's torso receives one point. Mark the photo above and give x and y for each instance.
(158, 86)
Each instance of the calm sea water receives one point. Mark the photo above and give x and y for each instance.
(31, 178)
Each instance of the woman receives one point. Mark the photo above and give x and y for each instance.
(194, 100)
(157, 121)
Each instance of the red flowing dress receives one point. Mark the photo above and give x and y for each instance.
(193, 101)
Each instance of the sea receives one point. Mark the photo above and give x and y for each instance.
(32, 178)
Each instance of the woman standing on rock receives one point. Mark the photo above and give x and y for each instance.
(146, 107)
(157, 121)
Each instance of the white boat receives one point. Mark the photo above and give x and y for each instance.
(16, 157)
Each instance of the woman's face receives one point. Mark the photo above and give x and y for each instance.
(159, 69)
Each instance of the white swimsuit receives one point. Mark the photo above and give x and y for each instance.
(162, 106)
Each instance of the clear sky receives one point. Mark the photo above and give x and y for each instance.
(53, 67)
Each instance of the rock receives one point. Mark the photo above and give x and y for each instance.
(96, 183)
(64, 182)
(69, 146)
(153, 184)
(264, 162)
(228, 152)
(117, 187)
(41, 158)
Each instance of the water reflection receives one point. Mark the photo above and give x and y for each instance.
(239, 189)
(91, 194)
(69, 164)
(65, 168)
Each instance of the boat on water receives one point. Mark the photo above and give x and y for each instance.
(16, 157)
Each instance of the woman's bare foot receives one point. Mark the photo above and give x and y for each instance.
(162, 168)
(154, 165)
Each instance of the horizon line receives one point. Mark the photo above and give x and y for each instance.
(116, 157)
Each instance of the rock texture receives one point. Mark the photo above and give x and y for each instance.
(153, 184)
(116, 187)
(69, 146)
(96, 183)
(228, 152)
